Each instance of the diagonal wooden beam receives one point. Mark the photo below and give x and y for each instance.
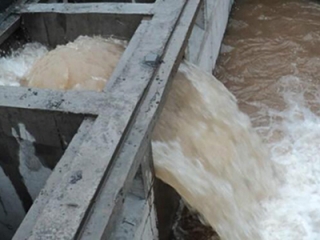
(69, 206)
(10, 21)
(103, 219)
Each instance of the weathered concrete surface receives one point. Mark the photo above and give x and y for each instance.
(30, 147)
(207, 34)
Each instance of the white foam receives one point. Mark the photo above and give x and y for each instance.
(295, 213)
(16, 65)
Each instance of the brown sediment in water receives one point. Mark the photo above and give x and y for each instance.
(271, 47)
(270, 60)
(203, 146)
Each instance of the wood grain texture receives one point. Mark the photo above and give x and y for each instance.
(76, 102)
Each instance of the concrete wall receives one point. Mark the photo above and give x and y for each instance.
(205, 41)
(30, 147)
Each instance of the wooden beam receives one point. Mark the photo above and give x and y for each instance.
(103, 218)
(70, 203)
(8, 26)
(87, 8)
(10, 22)
(77, 102)
(10, 97)
(5, 14)
(54, 29)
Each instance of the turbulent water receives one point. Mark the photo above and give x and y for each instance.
(203, 145)
(270, 60)
(14, 67)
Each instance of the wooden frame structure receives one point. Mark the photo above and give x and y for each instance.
(102, 187)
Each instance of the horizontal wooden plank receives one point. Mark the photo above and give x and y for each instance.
(78, 102)
(53, 29)
(113, 192)
(87, 8)
(70, 202)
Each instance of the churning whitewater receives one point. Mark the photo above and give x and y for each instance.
(270, 61)
(203, 145)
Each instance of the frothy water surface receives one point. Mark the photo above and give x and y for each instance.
(203, 145)
(14, 66)
(270, 60)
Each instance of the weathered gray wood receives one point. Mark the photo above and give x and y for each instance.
(52, 28)
(137, 220)
(134, 43)
(76, 102)
(201, 17)
(42, 126)
(195, 44)
(35, 28)
(62, 168)
(103, 218)
(132, 216)
(85, 8)
(147, 172)
(53, 23)
(10, 22)
(9, 10)
(8, 27)
(92, 163)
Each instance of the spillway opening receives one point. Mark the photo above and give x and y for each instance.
(31, 144)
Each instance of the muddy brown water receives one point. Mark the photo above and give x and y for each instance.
(270, 60)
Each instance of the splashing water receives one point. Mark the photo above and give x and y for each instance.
(203, 145)
(16, 65)
(270, 61)
(85, 64)
(295, 144)
(209, 153)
